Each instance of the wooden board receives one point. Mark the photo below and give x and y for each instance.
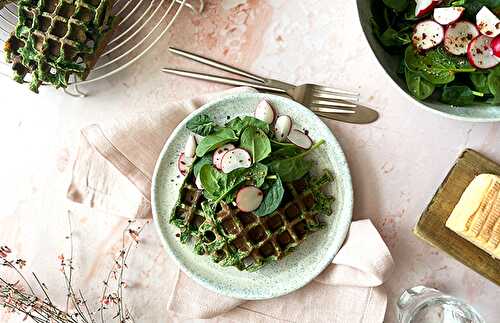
(431, 226)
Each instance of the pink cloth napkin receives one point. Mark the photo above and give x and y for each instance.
(112, 173)
(349, 290)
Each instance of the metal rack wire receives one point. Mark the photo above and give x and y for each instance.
(142, 25)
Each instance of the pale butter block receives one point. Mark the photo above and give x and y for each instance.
(476, 217)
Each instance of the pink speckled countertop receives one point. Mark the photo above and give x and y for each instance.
(397, 163)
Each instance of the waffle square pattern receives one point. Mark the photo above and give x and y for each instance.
(242, 239)
(54, 39)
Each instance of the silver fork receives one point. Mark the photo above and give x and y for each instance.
(324, 101)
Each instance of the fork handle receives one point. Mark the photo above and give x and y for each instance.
(218, 65)
(361, 115)
(221, 79)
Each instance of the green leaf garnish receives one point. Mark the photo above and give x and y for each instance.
(272, 199)
(201, 125)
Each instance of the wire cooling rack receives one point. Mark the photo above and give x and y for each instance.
(142, 24)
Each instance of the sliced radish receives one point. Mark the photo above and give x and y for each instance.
(487, 22)
(234, 159)
(480, 53)
(265, 112)
(447, 15)
(219, 153)
(300, 139)
(425, 6)
(495, 45)
(249, 198)
(282, 127)
(198, 183)
(458, 36)
(181, 165)
(190, 150)
(427, 34)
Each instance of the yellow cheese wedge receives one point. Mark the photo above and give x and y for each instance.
(476, 217)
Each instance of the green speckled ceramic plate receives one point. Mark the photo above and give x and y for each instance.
(298, 268)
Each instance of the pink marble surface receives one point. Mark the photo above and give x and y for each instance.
(397, 163)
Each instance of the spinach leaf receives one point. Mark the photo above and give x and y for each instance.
(257, 173)
(255, 141)
(207, 159)
(201, 125)
(409, 14)
(494, 85)
(418, 87)
(436, 66)
(480, 81)
(293, 168)
(216, 184)
(377, 23)
(217, 139)
(212, 181)
(272, 199)
(286, 152)
(457, 95)
(398, 5)
(240, 123)
(393, 38)
(275, 145)
(472, 7)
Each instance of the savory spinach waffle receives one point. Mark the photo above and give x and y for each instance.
(4, 2)
(55, 39)
(242, 239)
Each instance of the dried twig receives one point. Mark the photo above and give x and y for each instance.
(43, 288)
(119, 264)
(42, 310)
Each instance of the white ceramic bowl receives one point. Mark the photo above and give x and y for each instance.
(390, 63)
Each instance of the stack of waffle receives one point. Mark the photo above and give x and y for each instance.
(242, 239)
(55, 39)
(4, 2)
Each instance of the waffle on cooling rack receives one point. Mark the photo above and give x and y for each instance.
(55, 39)
(4, 2)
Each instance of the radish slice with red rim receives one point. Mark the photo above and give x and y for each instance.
(495, 45)
(427, 34)
(423, 7)
(265, 112)
(181, 165)
(282, 128)
(458, 36)
(480, 53)
(487, 23)
(219, 153)
(234, 159)
(300, 139)
(190, 150)
(447, 15)
(249, 198)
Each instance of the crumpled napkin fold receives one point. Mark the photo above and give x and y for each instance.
(112, 174)
(349, 290)
(115, 161)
